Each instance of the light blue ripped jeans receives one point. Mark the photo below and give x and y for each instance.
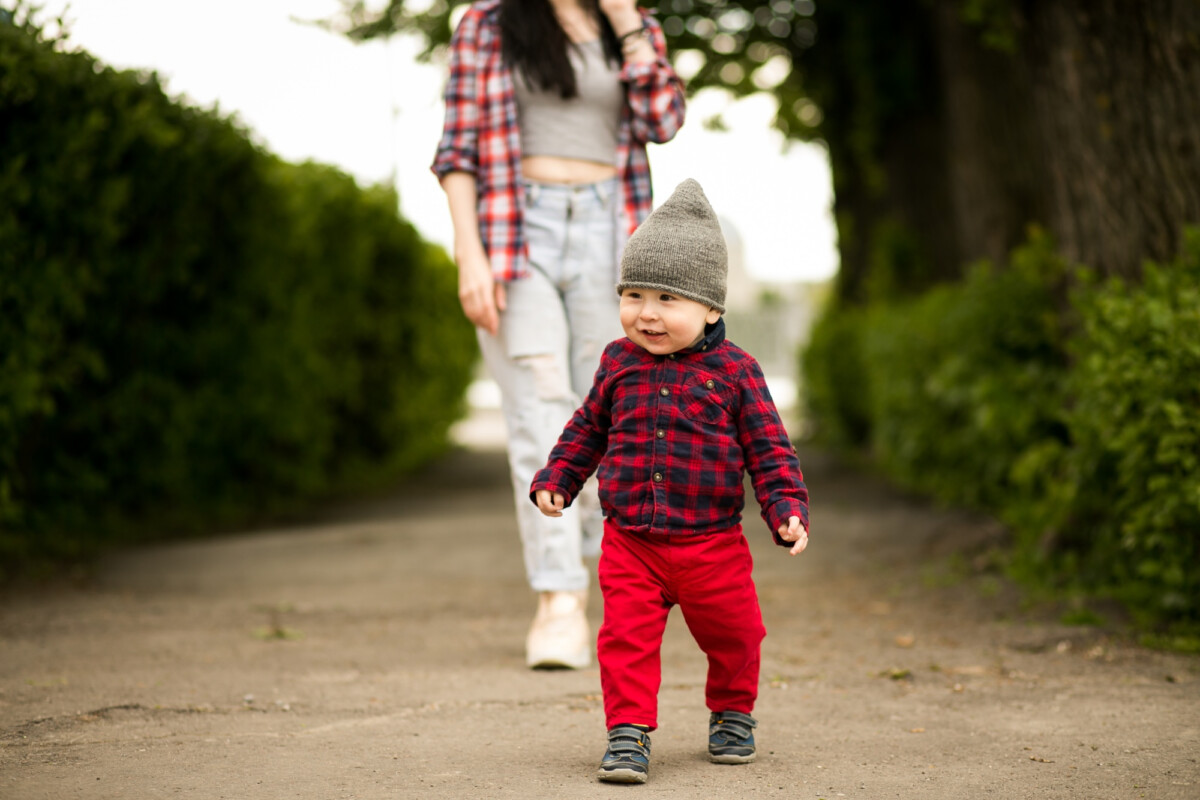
(557, 324)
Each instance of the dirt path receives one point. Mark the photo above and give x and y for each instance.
(378, 654)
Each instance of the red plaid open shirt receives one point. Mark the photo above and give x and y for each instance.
(671, 437)
(480, 133)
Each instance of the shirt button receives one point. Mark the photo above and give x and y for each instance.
(664, 391)
(660, 433)
(658, 477)
(708, 384)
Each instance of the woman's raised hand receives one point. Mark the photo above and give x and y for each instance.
(623, 15)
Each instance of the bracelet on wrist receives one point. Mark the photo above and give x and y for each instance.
(630, 41)
(638, 30)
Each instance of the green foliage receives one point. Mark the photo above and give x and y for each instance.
(896, 265)
(1178, 643)
(996, 21)
(1082, 617)
(1076, 422)
(967, 378)
(192, 332)
(836, 379)
(1135, 429)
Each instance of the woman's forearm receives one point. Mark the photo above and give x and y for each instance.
(630, 28)
(462, 196)
(481, 296)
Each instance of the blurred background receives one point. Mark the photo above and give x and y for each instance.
(373, 110)
(963, 236)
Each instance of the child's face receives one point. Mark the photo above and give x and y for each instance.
(661, 322)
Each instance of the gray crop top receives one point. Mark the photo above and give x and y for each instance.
(584, 127)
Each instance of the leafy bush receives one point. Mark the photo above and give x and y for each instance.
(1135, 431)
(835, 378)
(967, 378)
(1074, 420)
(191, 331)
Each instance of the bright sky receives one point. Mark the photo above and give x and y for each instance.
(372, 111)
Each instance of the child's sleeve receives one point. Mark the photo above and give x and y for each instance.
(582, 443)
(770, 457)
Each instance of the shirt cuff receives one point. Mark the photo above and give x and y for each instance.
(447, 164)
(649, 73)
(778, 515)
(552, 481)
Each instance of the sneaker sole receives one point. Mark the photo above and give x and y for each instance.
(558, 662)
(621, 776)
(729, 758)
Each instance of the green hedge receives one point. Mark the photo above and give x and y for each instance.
(1134, 461)
(836, 388)
(1077, 421)
(966, 377)
(193, 332)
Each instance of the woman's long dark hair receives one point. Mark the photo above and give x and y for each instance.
(535, 45)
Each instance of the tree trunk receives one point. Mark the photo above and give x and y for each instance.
(993, 157)
(1091, 128)
(880, 88)
(1117, 106)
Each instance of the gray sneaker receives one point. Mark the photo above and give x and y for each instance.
(731, 738)
(627, 759)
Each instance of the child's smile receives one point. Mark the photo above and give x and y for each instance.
(661, 322)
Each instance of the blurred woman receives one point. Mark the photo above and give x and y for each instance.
(549, 107)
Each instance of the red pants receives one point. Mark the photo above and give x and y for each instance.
(641, 577)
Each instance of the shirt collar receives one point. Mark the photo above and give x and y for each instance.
(714, 334)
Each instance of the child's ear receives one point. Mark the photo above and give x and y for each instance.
(712, 316)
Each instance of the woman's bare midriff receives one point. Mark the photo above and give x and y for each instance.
(552, 169)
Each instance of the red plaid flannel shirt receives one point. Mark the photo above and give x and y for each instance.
(480, 134)
(670, 438)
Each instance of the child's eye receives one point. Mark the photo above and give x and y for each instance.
(666, 298)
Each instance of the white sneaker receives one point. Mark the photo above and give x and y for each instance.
(560, 637)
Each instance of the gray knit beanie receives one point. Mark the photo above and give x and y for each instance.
(679, 249)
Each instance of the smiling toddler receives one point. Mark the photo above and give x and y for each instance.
(675, 417)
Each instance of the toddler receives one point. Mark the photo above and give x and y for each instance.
(675, 416)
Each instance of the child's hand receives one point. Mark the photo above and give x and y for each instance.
(551, 503)
(792, 532)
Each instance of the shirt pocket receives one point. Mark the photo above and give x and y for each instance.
(708, 400)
